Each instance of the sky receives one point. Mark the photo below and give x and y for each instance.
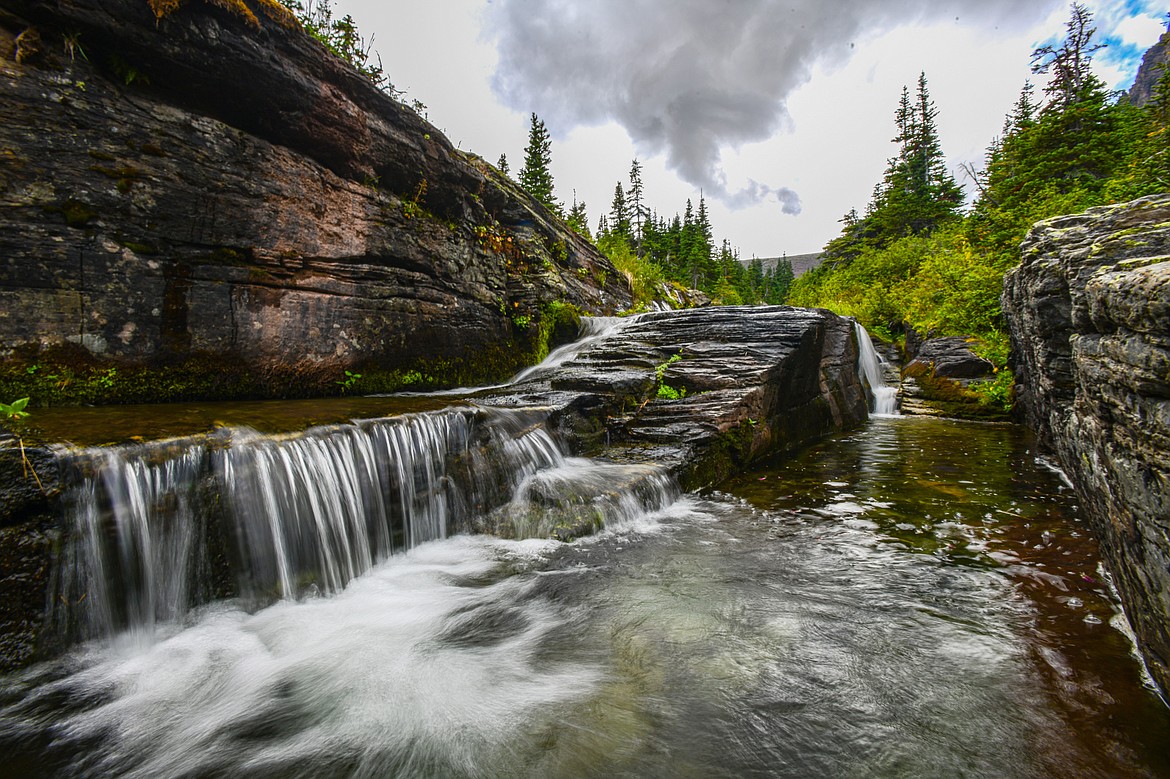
(779, 112)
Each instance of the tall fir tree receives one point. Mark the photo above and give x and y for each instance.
(536, 177)
(637, 208)
(619, 214)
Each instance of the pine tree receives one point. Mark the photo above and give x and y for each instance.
(578, 220)
(637, 210)
(619, 214)
(503, 164)
(1070, 63)
(535, 176)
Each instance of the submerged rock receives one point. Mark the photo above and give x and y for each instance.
(1089, 312)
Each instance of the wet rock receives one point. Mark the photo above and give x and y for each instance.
(950, 357)
(1089, 312)
(750, 381)
(286, 218)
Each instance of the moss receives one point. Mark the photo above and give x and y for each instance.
(76, 213)
(101, 155)
(953, 399)
(140, 248)
(729, 453)
(125, 175)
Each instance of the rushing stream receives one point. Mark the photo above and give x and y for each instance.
(916, 598)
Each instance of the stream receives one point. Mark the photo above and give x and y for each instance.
(916, 598)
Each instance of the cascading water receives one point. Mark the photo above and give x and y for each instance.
(159, 528)
(869, 365)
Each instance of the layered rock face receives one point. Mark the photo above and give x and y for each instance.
(741, 382)
(205, 185)
(1089, 311)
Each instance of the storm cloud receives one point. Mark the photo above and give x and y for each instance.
(689, 78)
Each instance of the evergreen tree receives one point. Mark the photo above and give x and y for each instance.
(578, 220)
(782, 277)
(1070, 62)
(535, 176)
(917, 194)
(636, 208)
(619, 214)
(503, 164)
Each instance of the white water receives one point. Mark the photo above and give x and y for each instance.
(869, 365)
(157, 529)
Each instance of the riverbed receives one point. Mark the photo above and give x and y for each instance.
(914, 598)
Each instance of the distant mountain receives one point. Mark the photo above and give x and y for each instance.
(800, 262)
(1150, 71)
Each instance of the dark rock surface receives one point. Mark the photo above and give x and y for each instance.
(200, 186)
(754, 381)
(1089, 312)
(948, 357)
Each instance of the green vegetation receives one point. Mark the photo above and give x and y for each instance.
(15, 410)
(652, 253)
(535, 177)
(915, 260)
(665, 391)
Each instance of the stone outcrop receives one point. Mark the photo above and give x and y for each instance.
(213, 190)
(741, 382)
(1089, 312)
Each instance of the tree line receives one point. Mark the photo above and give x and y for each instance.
(654, 252)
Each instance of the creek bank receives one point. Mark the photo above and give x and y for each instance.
(170, 235)
(1089, 313)
(750, 381)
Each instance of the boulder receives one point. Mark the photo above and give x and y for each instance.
(1089, 313)
(951, 357)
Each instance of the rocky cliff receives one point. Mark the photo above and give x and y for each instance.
(1151, 69)
(212, 191)
(1089, 312)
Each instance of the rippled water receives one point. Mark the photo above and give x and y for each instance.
(916, 598)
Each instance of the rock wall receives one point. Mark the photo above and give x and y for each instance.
(205, 186)
(1089, 312)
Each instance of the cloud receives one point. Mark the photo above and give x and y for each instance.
(690, 78)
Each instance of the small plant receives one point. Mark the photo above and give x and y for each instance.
(522, 321)
(665, 391)
(14, 411)
(413, 207)
(72, 43)
(105, 379)
(350, 381)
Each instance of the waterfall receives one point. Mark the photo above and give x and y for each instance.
(158, 528)
(869, 365)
